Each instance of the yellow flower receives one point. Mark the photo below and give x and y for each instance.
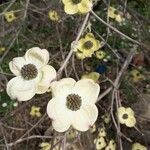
(92, 75)
(10, 16)
(88, 45)
(111, 145)
(2, 49)
(100, 143)
(45, 146)
(114, 14)
(102, 132)
(53, 15)
(77, 6)
(93, 128)
(100, 54)
(106, 117)
(35, 111)
(138, 146)
(136, 75)
(126, 116)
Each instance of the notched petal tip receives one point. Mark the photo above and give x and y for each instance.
(37, 56)
(19, 89)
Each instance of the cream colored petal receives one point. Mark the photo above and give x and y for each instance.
(14, 69)
(88, 90)
(62, 87)
(121, 111)
(121, 120)
(37, 56)
(60, 115)
(85, 6)
(89, 35)
(85, 117)
(16, 64)
(20, 89)
(130, 122)
(48, 73)
(80, 44)
(98, 44)
(70, 8)
(138, 146)
(129, 111)
(88, 53)
(80, 55)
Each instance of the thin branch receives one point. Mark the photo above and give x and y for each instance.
(28, 138)
(74, 46)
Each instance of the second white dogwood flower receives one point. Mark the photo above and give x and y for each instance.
(33, 75)
(73, 104)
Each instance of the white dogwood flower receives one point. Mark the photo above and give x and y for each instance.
(73, 104)
(33, 75)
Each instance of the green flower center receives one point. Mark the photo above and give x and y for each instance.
(10, 16)
(88, 45)
(125, 116)
(76, 1)
(29, 71)
(73, 102)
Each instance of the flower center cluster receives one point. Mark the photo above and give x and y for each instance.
(73, 102)
(29, 71)
(76, 1)
(88, 45)
(125, 116)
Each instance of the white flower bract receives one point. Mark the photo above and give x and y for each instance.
(33, 75)
(73, 104)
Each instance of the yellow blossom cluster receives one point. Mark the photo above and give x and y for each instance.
(10, 16)
(77, 6)
(126, 116)
(136, 75)
(114, 14)
(101, 142)
(87, 46)
(53, 15)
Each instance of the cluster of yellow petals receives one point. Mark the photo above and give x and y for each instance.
(100, 143)
(106, 118)
(114, 14)
(102, 132)
(53, 15)
(136, 76)
(100, 54)
(35, 111)
(111, 145)
(2, 49)
(126, 116)
(87, 46)
(10, 16)
(77, 6)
